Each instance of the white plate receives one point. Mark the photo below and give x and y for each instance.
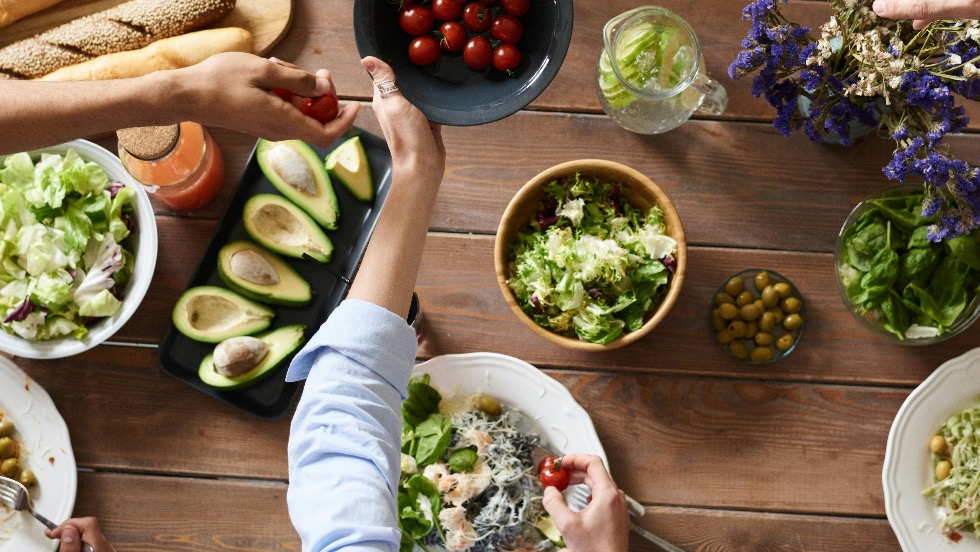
(144, 244)
(953, 387)
(42, 431)
(561, 420)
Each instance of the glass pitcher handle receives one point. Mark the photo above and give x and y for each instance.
(715, 98)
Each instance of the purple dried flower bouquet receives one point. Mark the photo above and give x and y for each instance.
(865, 72)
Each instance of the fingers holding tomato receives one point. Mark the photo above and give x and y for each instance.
(322, 108)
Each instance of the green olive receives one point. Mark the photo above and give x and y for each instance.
(10, 468)
(749, 312)
(769, 297)
(751, 328)
(761, 354)
(6, 428)
(734, 286)
(728, 311)
(790, 305)
(725, 337)
(777, 315)
(7, 449)
(783, 289)
(942, 469)
(762, 306)
(723, 298)
(937, 444)
(762, 280)
(27, 477)
(744, 298)
(784, 342)
(766, 321)
(792, 322)
(488, 405)
(737, 348)
(763, 339)
(738, 328)
(717, 322)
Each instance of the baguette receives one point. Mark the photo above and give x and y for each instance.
(12, 10)
(169, 53)
(128, 26)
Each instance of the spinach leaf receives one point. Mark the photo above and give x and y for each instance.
(463, 460)
(966, 250)
(949, 280)
(919, 238)
(864, 244)
(883, 270)
(418, 508)
(422, 401)
(895, 317)
(906, 214)
(941, 315)
(433, 438)
(917, 265)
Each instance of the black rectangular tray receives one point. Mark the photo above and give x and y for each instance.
(181, 356)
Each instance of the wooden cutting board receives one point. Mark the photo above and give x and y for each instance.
(267, 20)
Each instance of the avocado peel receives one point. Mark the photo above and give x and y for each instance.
(349, 164)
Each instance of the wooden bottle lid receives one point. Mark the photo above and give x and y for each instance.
(149, 143)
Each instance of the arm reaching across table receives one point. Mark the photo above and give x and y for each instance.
(923, 12)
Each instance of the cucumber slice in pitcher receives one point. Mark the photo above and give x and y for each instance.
(646, 56)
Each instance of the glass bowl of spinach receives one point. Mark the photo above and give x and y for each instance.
(896, 281)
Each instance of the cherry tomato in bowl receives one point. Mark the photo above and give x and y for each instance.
(506, 58)
(447, 10)
(507, 28)
(478, 54)
(322, 108)
(516, 8)
(416, 20)
(424, 50)
(453, 36)
(477, 17)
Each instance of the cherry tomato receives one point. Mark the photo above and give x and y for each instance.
(478, 54)
(286, 95)
(322, 108)
(447, 10)
(476, 17)
(506, 58)
(453, 36)
(516, 8)
(416, 20)
(424, 50)
(507, 28)
(552, 475)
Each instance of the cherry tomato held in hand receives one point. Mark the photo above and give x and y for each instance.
(506, 58)
(476, 17)
(507, 28)
(286, 95)
(416, 20)
(453, 36)
(551, 473)
(322, 108)
(516, 8)
(478, 54)
(447, 10)
(424, 50)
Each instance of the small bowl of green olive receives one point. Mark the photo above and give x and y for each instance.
(757, 316)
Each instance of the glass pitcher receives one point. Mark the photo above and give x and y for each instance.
(651, 73)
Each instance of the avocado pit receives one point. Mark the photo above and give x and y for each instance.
(237, 355)
(292, 168)
(253, 267)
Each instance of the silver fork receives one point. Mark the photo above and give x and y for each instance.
(14, 495)
(578, 499)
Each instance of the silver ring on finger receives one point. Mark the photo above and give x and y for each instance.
(386, 87)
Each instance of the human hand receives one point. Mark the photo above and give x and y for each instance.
(76, 530)
(603, 526)
(414, 142)
(232, 90)
(923, 12)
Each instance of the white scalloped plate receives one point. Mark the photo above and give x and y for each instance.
(559, 417)
(42, 431)
(953, 387)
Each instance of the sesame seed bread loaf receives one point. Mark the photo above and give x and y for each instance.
(128, 26)
(170, 53)
(12, 10)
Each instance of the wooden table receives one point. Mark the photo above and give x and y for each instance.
(725, 456)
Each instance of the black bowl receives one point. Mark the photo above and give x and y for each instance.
(450, 93)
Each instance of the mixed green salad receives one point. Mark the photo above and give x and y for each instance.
(468, 481)
(888, 267)
(956, 463)
(589, 263)
(62, 222)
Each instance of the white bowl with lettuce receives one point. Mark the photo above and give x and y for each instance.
(79, 245)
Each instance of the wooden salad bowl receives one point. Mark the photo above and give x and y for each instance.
(638, 190)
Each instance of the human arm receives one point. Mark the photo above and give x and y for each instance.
(604, 524)
(229, 90)
(76, 530)
(344, 442)
(923, 12)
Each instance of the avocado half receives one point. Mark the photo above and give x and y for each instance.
(291, 289)
(212, 314)
(284, 228)
(349, 164)
(282, 342)
(297, 172)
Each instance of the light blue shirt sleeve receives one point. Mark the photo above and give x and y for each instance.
(345, 438)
